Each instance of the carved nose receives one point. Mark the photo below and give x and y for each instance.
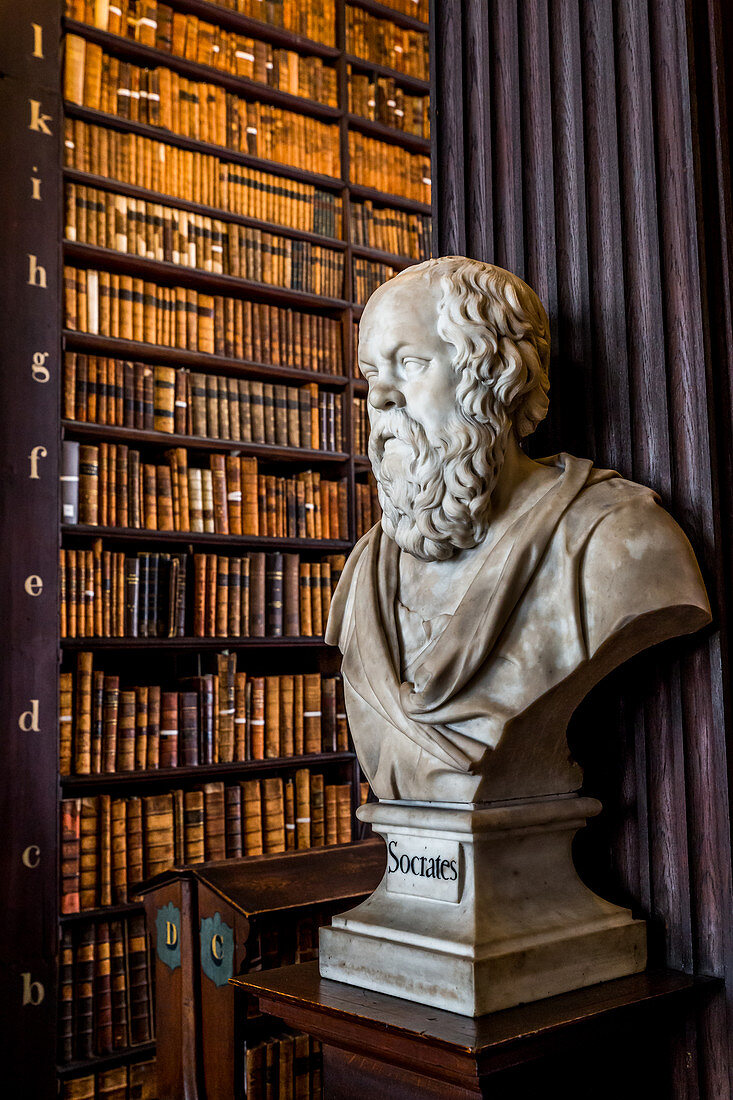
(384, 396)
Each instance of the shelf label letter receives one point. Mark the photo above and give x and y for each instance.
(36, 453)
(39, 370)
(37, 40)
(33, 585)
(36, 183)
(33, 992)
(32, 856)
(28, 720)
(39, 121)
(36, 272)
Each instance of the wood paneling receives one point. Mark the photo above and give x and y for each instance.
(585, 145)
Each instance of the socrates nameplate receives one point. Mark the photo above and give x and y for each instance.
(424, 868)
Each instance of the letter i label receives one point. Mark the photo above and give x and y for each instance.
(37, 40)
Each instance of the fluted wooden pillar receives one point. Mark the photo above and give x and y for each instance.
(584, 144)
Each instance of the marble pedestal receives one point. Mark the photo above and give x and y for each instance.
(481, 909)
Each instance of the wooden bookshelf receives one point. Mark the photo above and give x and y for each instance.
(30, 405)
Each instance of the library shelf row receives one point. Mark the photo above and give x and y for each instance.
(106, 912)
(124, 1057)
(384, 11)
(105, 183)
(327, 183)
(390, 134)
(409, 83)
(256, 28)
(242, 86)
(89, 255)
(266, 451)
(199, 538)
(116, 348)
(219, 643)
(163, 777)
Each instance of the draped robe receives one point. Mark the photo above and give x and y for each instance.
(484, 713)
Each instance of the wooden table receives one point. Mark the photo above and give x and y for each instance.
(609, 1040)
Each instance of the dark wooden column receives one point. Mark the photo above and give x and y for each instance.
(585, 145)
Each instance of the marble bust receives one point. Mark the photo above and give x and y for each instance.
(495, 592)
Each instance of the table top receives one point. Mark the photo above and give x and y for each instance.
(300, 989)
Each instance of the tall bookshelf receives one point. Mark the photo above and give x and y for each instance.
(344, 74)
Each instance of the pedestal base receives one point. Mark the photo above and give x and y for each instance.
(481, 909)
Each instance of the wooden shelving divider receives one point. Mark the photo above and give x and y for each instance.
(33, 433)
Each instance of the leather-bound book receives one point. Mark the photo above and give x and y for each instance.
(110, 723)
(286, 690)
(199, 600)
(214, 821)
(164, 492)
(88, 484)
(325, 593)
(69, 478)
(70, 856)
(104, 818)
(198, 387)
(240, 716)
(132, 574)
(180, 413)
(141, 728)
(207, 501)
(290, 837)
(318, 811)
(344, 813)
(152, 759)
(312, 713)
(139, 980)
(150, 496)
(121, 511)
(274, 595)
(253, 843)
(212, 406)
(244, 589)
(83, 724)
(233, 813)
(281, 415)
(65, 1009)
(306, 619)
(221, 597)
(257, 411)
(226, 665)
(120, 1003)
(234, 609)
(257, 603)
(126, 732)
(103, 1040)
(188, 707)
(164, 399)
(273, 814)
(245, 410)
(298, 719)
(303, 808)
(330, 802)
(250, 497)
(219, 487)
(196, 500)
(135, 861)
(119, 851)
(158, 833)
(222, 385)
(112, 1084)
(66, 722)
(234, 494)
(315, 599)
(329, 735)
(256, 720)
(134, 490)
(168, 741)
(84, 992)
(272, 716)
(193, 826)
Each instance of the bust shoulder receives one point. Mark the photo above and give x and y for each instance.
(638, 574)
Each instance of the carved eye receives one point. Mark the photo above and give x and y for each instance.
(413, 365)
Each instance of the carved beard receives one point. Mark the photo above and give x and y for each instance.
(435, 490)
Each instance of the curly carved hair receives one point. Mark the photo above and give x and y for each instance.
(502, 338)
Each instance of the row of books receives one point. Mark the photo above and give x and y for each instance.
(109, 845)
(368, 511)
(106, 594)
(105, 990)
(360, 425)
(418, 9)
(111, 486)
(366, 276)
(316, 21)
(157, 232)
(390, 230)
(193, 39)
(385, 43)
(216, 718)
(124, 394)
(389, 168)
(198, 110)
(381, 99)
(283, 1065)
(200, 177)
(135, 1082)
(104, 303)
